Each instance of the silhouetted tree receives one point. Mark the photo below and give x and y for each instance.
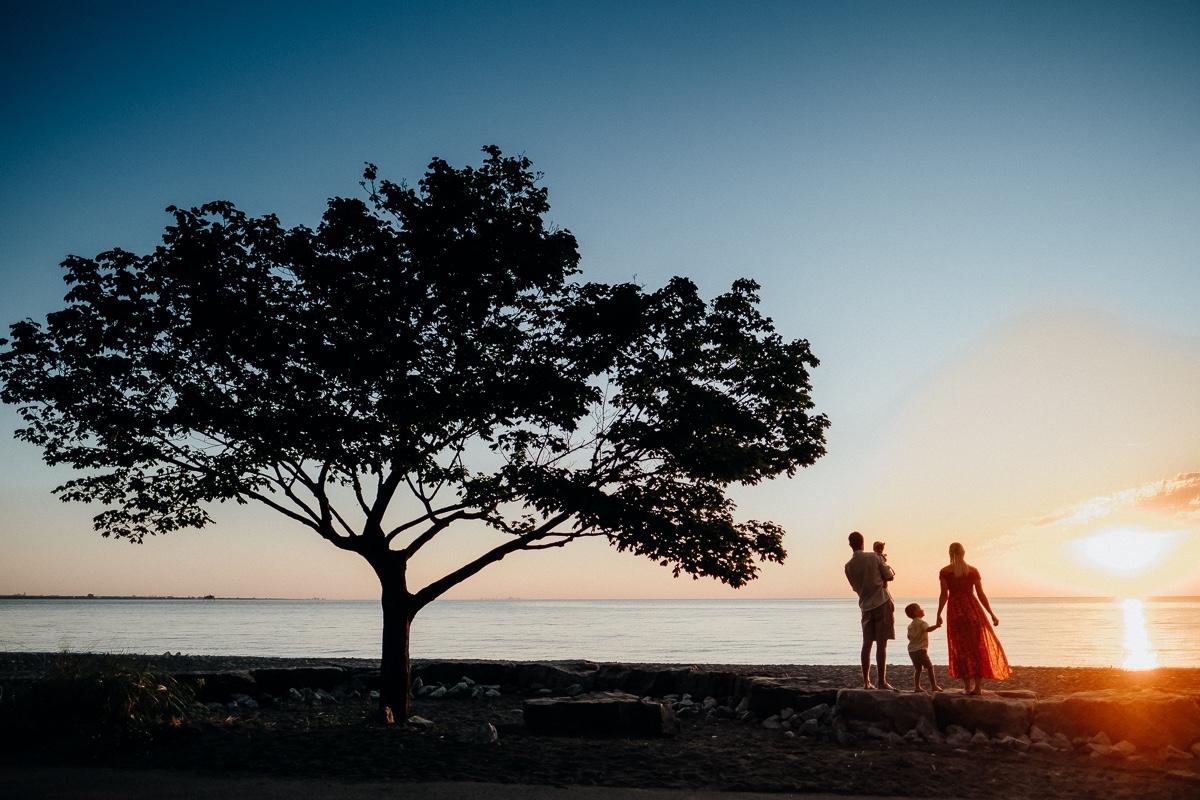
(427, 343)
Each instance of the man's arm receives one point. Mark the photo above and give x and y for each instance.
(886, 573)
(850, 576)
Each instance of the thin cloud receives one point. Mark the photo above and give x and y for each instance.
(1179, 496)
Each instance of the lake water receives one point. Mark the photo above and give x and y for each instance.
(1035, 632)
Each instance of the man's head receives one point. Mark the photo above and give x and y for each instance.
(856, 540)
(914, 610)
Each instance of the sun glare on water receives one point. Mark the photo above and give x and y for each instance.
(1138, 655)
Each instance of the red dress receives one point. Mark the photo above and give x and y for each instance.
(973, 648)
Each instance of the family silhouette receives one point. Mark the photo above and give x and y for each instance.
(973, 649)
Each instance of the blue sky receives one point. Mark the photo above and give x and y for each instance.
(904, 179)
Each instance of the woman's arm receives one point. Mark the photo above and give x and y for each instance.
(942, 599)
(983, 598)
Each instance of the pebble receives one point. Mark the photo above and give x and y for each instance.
(1125, 748)
(1172, 753)
(418, 721)
(772, 722)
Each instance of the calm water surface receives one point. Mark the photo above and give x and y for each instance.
(1034, 632)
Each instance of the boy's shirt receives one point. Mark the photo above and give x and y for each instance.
(918, 635)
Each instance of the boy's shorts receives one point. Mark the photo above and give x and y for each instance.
(919, 657)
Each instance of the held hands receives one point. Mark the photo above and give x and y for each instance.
(934, 627)
(939, 622)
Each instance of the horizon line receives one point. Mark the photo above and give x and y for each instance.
(25, 596)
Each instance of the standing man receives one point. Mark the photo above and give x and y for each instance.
(869, 575)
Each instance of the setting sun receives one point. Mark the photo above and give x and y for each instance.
(1126, 552)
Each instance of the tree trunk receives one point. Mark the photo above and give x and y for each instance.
(395, 671)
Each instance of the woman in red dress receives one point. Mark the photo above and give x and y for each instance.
(974, 650)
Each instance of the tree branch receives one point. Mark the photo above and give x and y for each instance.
(439, 587)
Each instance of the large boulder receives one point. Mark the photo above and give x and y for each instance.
(640, 680)
(277, 681)
(899, 711)
(765, 696)
(1149, 719)
(220, 686)
(1010, 714)
(600, 714)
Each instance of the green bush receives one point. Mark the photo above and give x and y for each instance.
(110, 699)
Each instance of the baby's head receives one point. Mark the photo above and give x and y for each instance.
(878, 548)
(914, 611)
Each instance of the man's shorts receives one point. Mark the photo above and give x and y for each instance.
(879, 624)
(920, 658)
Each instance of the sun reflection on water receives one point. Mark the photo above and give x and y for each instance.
(1138, 655)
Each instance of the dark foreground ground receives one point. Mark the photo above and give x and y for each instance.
(337, 744)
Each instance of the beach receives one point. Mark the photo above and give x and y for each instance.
(335, 741)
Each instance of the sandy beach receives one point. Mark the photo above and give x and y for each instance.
(336, 742)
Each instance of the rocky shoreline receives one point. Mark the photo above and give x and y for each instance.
(738, 726)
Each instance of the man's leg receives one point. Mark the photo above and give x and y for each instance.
(865, 657)
(881, 663)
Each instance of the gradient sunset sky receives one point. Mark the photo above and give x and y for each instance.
(984, 216)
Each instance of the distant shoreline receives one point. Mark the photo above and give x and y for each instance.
(1059, 599)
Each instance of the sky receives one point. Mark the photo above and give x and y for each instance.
(985, 217)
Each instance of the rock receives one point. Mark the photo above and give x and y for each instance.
(960, 739)
(1148, 718)
(245, 701)
(913, 737)
(438, 692)
(787, 713)
(417, 684)
(1196, 749)
(1042, 747)
(1036, 734)
(1184, 773)
(466, 680)
(373, 695)
(772, 722)
(817, 712)
(491, 693)
(993, 714)
(787, 724)
(1124, 748)
(895, 738)
(809, 727)
(544, 692)
(1100, 750)
(296, 696)
(1060, 742)
(980, 738)
(457, 689)
(789, 734)
(710, 702)
(573, 690)
(277, 680)
(322, 696)
(724, 712)
(743, 705)
(1172, 753)
(486, 734)
(420, 722)
(1101, 738)
(900, 711)
(925, 728)
(876, 732)
(767, 696)
(618, 713)
(220, 686)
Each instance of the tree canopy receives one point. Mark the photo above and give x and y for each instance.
(435, 341)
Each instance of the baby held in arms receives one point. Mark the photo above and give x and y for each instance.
(918, 646)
